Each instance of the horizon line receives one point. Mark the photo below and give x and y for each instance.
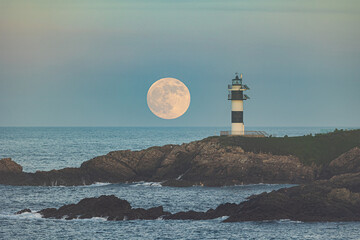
(258, 126)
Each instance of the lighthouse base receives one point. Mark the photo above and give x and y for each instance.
(237, 129)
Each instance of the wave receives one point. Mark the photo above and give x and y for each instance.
(282, 221)
(95, 219)
(222, 218)
(288, 221)
(97, 184)
(146, 184)
(25, 215)
(35, 215)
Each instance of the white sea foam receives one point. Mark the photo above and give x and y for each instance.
(80, 219)
(97, 184)
(146, 184)
(35, 215)
(282, 221)
(222, 218)
(95, 219)
(288, 221)
(98, 219)
(26, 215)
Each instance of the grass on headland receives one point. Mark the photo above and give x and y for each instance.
(319, 149)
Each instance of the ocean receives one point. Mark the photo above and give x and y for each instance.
(47, 148)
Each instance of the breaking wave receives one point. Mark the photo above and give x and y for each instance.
(146, 184)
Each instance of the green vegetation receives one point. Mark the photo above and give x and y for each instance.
(319, 149)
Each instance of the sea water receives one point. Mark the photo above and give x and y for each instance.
(54, 148)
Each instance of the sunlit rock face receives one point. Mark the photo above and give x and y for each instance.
(168, 98)
(348, 162)
(207, 162)
(7, 165)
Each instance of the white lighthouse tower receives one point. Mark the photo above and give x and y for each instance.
(237, 98)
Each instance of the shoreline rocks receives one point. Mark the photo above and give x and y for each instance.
(335, 200)
(324, 194)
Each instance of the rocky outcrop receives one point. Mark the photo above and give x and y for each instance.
(226, 209)
(9, 166)
(348, 162)
(201, 163)
(204, 162)
(109, 207)
(337, 199)
(26, 210)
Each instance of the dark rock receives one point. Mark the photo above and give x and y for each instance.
(226, 209)
(63, 177)
(23, 211)
(109, 207)
(222, 210)
(189, 215)
(146, 214)
(337, 199)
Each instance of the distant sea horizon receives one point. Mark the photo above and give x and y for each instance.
(95, 126)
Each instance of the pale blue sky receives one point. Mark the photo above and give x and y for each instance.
(90, 63)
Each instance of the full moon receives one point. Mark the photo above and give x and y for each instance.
(168, 98)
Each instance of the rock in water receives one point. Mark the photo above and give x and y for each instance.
(222, 210)
(23, 211)
(109, 207)
(336, 200)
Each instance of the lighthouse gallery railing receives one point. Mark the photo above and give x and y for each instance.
(245, 133)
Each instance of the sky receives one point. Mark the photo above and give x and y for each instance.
(91, 63)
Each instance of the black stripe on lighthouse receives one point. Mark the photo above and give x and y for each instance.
(237, 116)
(237, 95)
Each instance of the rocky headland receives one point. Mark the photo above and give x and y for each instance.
(326, 167)
(203, 162)
(214, 161)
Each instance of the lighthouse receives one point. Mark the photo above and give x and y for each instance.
(237, 97)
